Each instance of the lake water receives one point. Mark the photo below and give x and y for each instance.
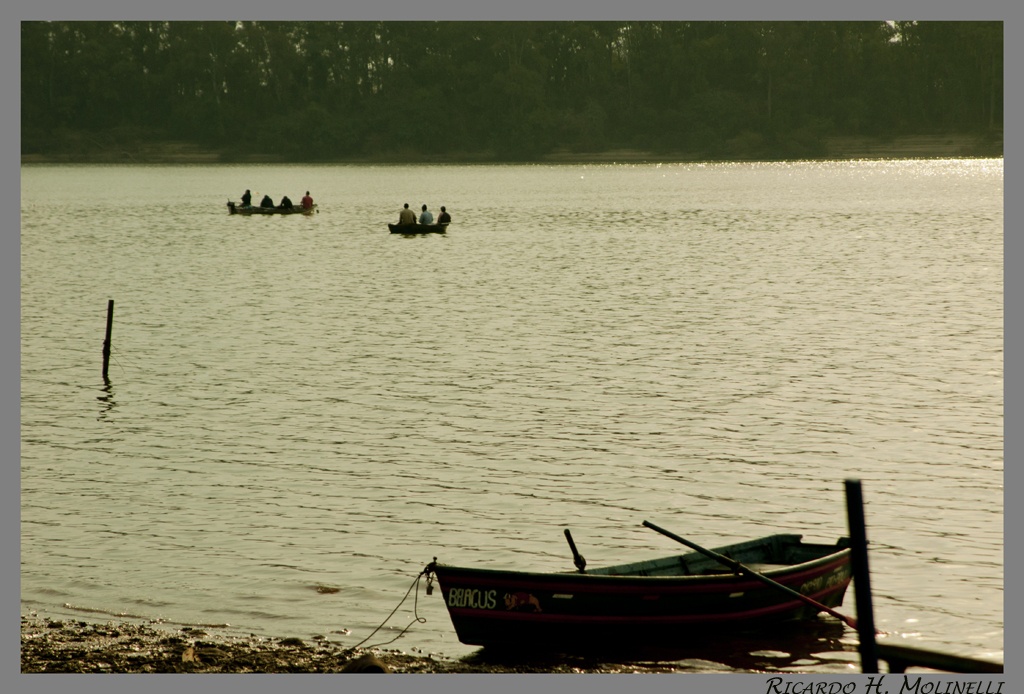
(304, 411)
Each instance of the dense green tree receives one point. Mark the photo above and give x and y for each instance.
(512, 90)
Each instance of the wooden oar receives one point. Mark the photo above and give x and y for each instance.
(740, 568)
(577, 558)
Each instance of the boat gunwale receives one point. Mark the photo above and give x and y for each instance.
(250, 210)
(564, 618)
(586, 583)
(538, 579)
(417, 228)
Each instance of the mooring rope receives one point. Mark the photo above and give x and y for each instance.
(415, 612)
(116, 360)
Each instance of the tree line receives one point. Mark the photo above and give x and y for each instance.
(505, 90)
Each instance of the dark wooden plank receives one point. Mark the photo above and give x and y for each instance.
(902, 657)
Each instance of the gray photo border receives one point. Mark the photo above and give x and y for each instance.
(10, 343)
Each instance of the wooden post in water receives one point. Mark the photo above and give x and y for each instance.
(106, 342)
(861, 577)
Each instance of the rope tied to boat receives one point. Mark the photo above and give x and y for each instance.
(428, 572)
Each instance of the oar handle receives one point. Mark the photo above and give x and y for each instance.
(740, 568)
(577, 558)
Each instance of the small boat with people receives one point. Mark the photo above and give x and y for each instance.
(409, 223)
(238, 208)
(418, 228)
(746, 586)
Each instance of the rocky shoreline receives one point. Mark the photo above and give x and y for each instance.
(904, 147)
(73, 646)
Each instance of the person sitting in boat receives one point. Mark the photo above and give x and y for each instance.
(246, 198)
(426, 217)
(286, 203)
(444, 217)
(406, 216)
(307, 201)
(266, 201)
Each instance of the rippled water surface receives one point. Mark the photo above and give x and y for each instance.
(303, 412)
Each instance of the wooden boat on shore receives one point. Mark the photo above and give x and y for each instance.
(237, 208)
(418, 228)
(658, 602)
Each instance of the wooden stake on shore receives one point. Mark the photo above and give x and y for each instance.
(898, 657)
(861, 576)
(106, 342)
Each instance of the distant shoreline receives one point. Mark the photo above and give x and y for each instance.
(836, 148)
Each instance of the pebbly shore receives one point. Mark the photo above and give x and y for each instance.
(73, 646)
